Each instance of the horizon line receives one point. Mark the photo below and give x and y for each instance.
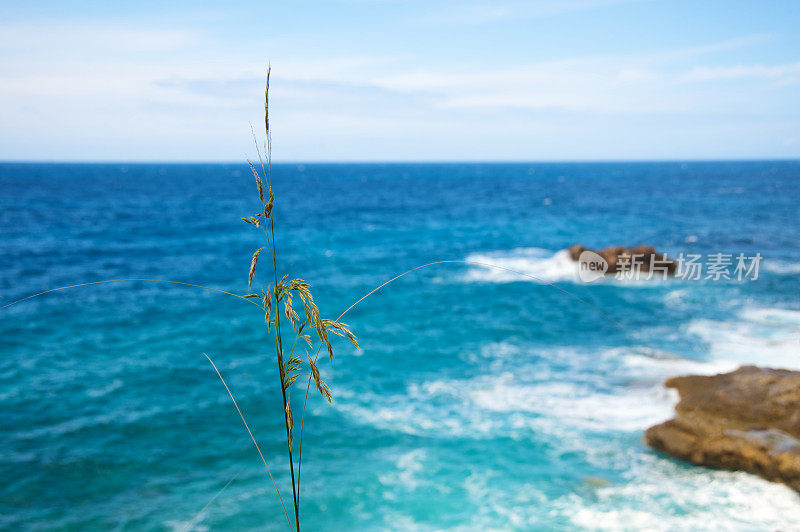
(399, 162)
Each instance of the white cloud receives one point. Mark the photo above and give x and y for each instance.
(468, 13)
(42, 40)
(728, 45)
(786, 72)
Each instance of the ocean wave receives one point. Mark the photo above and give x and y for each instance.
(105, 390)
(677, 299)
(407, 471)
(651, 493)
(591, 406)
(774, 317)
(577, 407)
(656, 494)
(762, 336)
(557, 390)
(663, 367)
(536, 265)
(781, 267)
(663, 495)
(616, 389)
(542, 264)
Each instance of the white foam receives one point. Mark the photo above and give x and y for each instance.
(533, 398)
(653, 494)
(661, 495)
(577, 407)
(781, 267)
(767, 337)
(773, 316)
(540, 264)
(407, 472)
(619, 389)
(670, 367)
(105, 390)
(677, 298)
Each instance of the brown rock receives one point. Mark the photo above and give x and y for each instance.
(575, 251)
(748, 420)
(645, 257)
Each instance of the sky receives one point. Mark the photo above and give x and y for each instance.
(394, 80)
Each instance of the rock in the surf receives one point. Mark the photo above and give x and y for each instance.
(618, 258)
(748, 419)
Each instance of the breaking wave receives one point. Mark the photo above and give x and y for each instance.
(542, 264)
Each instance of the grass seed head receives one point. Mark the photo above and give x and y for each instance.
(253, 267)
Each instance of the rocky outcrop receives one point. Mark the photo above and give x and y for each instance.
(645, 257)
(748, 419)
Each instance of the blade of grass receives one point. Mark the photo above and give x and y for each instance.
(127, 280)
(258, 448)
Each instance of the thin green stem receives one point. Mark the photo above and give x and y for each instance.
(278, 336)
(128, 281)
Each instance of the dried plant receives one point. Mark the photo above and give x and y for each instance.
(280, 298)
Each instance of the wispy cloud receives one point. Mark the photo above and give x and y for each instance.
(127, 90)
(625, 84)
(789, 72)
(51, 38)
(472, 13)
(696, 50)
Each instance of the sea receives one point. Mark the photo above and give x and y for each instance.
(504, 395)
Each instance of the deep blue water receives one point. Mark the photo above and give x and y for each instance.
(480, 399)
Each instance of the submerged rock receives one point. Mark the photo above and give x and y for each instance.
(643, 257)
(748, 419)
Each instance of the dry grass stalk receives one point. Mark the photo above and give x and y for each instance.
(284, 291)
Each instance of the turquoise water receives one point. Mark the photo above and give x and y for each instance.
(480, 399)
